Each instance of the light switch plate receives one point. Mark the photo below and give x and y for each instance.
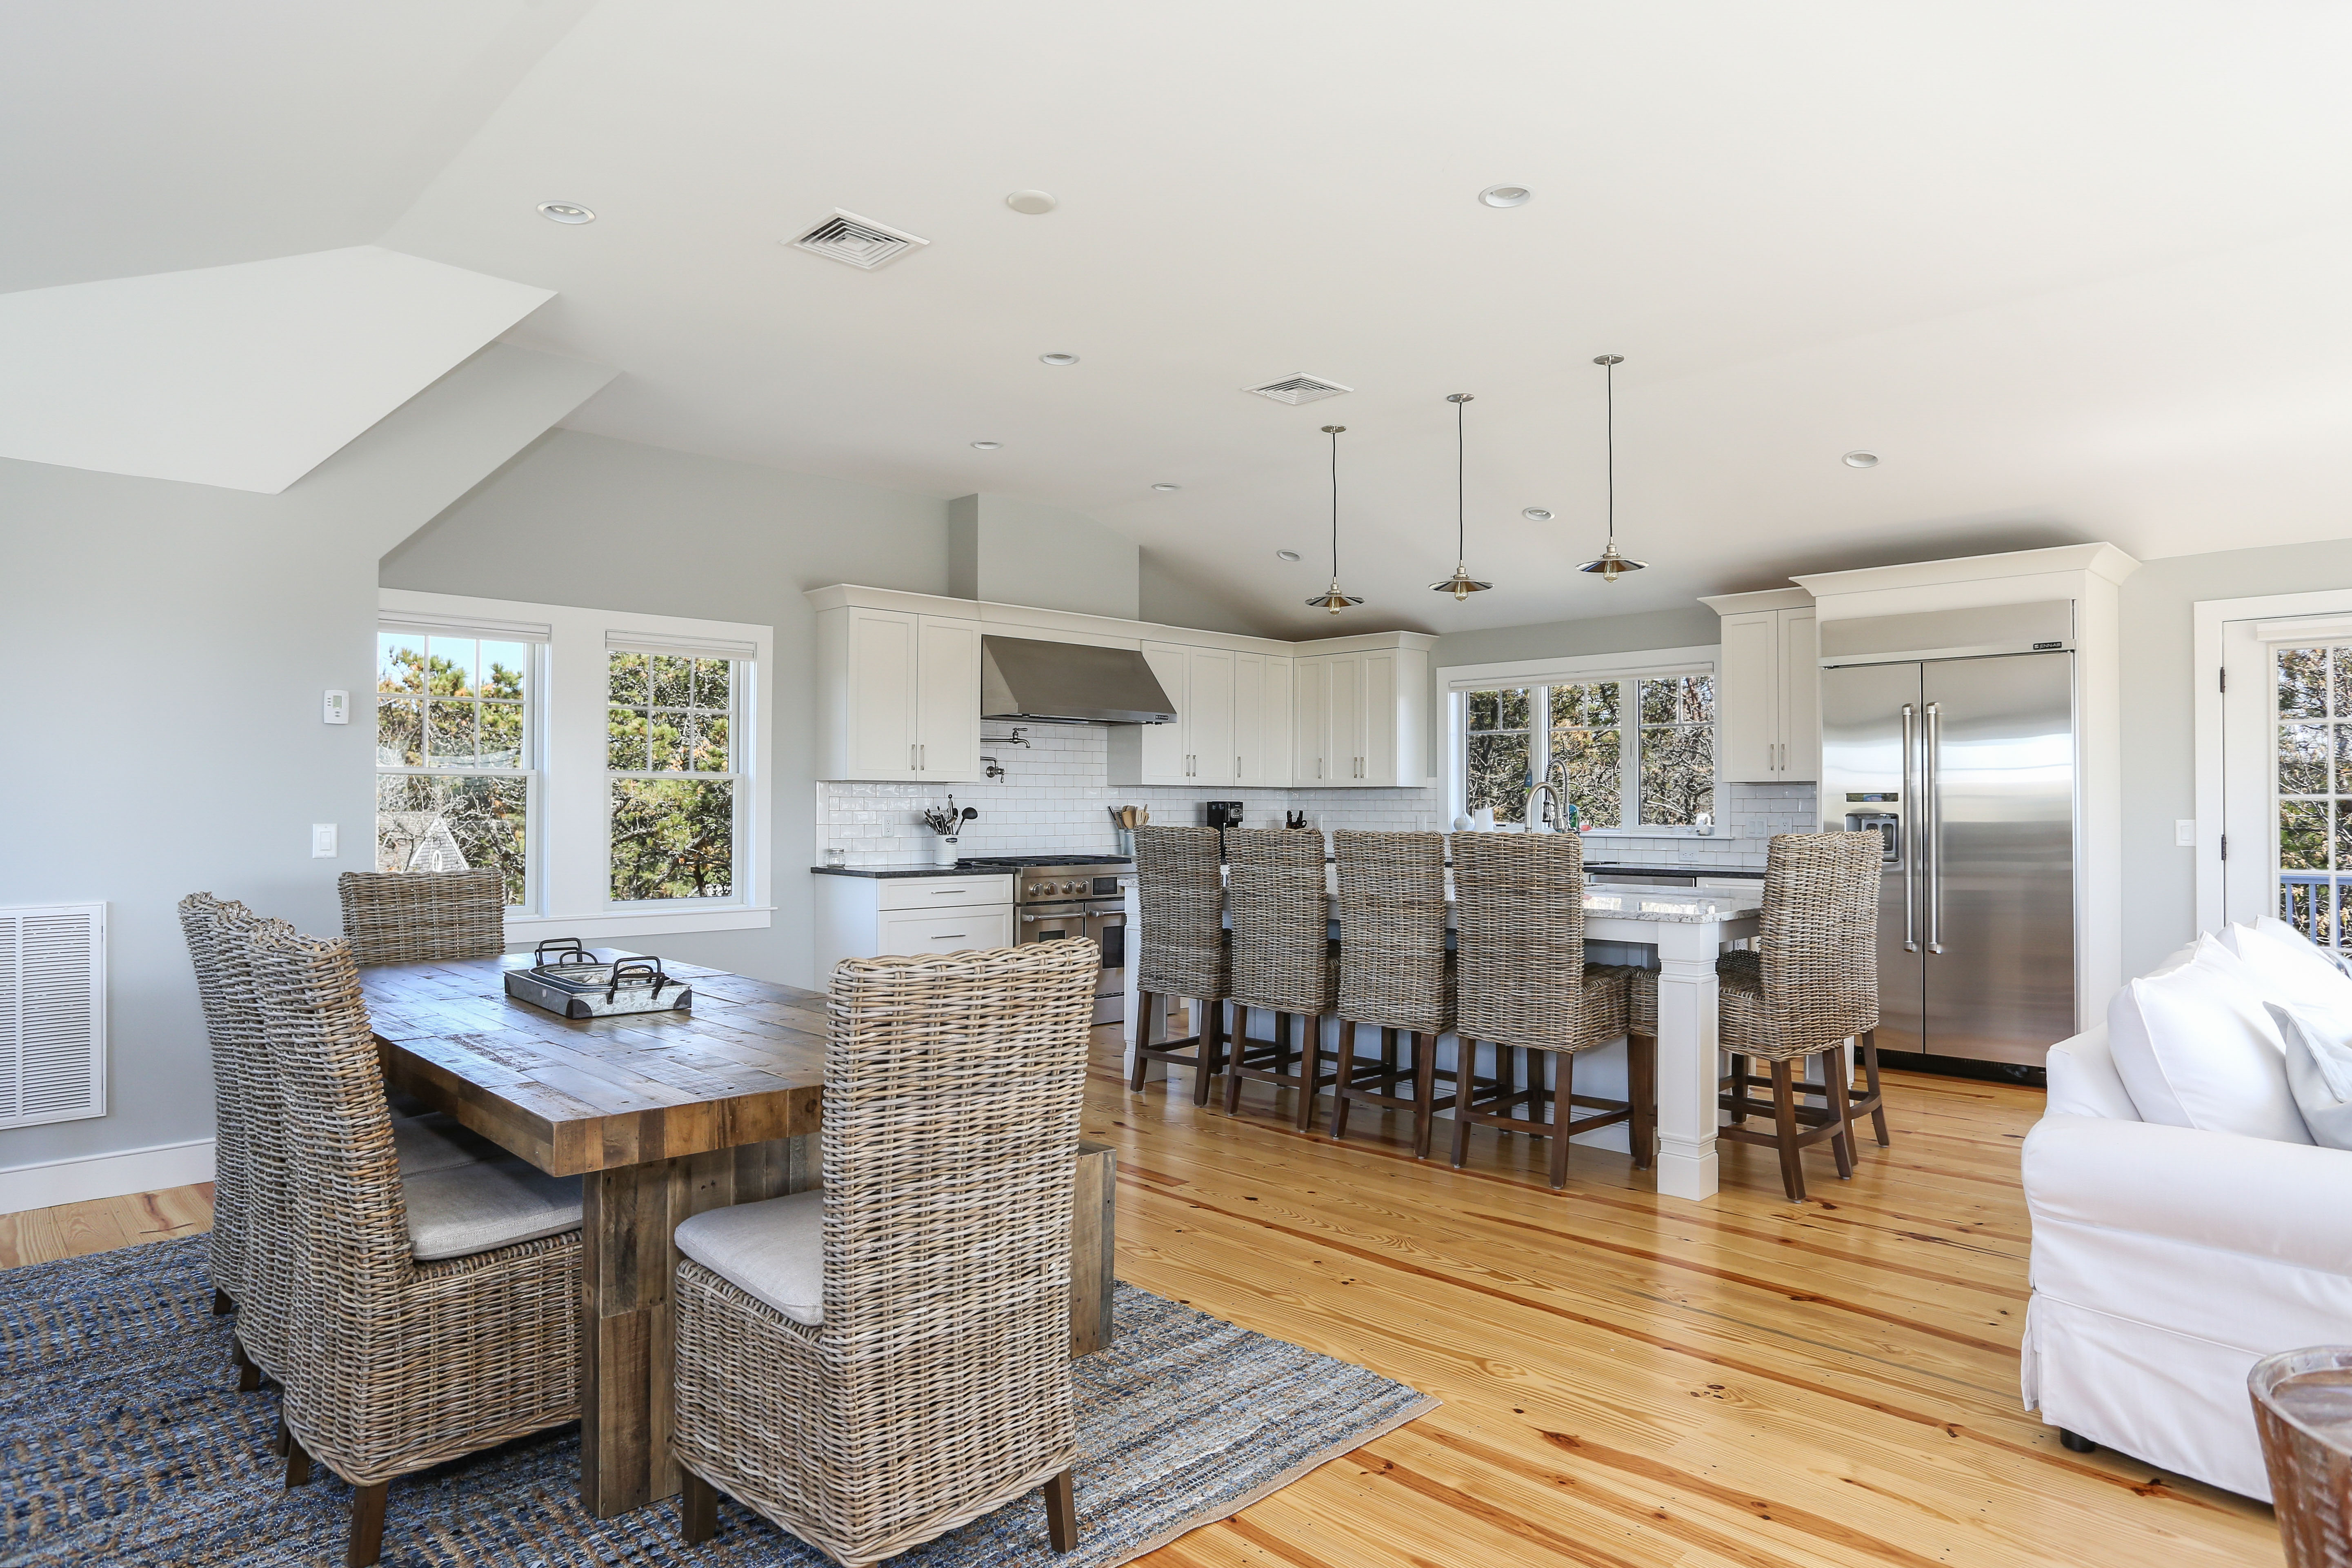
(2184, 832)
(323, 840)
(338, 709)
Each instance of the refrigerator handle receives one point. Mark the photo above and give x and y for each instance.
(1910, 806)
(1931, 850)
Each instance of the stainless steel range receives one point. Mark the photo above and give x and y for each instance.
(1056, 897)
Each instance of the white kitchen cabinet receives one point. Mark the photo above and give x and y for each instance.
(1198, 748)
(1262, 705)
(1768, 690)
(897, 695)
(1363, 719)
(870, 917)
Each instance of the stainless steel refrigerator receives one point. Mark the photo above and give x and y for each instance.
(1951, 733)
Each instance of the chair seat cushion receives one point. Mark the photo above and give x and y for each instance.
(772, 1250)
(460, 1211)
(434, 1142)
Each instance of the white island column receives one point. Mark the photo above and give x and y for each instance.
(1687, 1061)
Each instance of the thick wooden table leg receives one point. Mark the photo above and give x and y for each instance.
(627, 1334)
(1093, 1256)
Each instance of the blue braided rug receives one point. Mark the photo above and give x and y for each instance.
(124, 1442)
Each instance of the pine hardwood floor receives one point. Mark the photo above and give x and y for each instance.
(1629, 1382)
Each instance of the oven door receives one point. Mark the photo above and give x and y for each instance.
(1052, 923)
(1106, 923)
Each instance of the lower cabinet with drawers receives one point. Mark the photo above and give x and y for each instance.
(870, 917)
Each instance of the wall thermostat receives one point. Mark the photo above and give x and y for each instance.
(339, 708)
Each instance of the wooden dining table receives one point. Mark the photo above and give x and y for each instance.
(662, 1115)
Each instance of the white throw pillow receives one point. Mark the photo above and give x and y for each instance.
(2196, 1048)
(2291, 969)
(2319, 1070)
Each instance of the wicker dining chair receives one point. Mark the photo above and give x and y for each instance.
(1185, 952)
(1525, 987)
(415, 917)
(249, 1156)
(1283, 962)
(874, 1364)
(1395, 975)
(429, 1316)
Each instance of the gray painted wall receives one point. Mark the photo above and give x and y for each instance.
(1010, 552)
(2159, 746)
(1171, 599)
(666, 533)
(166, 646)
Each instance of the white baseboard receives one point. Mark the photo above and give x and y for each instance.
(52, 1182)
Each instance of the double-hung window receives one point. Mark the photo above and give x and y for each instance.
(612, 766)
(1628, 740)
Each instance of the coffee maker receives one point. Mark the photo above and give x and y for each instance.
(1223, 813)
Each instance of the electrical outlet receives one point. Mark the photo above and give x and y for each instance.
(2184, 832)
(338, 709)
(323, 840)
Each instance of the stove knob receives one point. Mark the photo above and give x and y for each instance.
(1037, 887)
(1069, 887)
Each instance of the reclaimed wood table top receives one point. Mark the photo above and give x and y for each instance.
(572, 1096)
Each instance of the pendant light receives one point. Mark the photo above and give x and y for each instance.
(1462, 585)
(1611, 565)
(1331, 599)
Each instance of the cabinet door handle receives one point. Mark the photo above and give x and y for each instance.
(910, 757)
(1237, 764)
(923, 758)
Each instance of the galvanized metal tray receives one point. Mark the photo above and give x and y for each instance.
(577, 983)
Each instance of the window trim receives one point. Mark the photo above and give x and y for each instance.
(571, 852)
(1454, 680)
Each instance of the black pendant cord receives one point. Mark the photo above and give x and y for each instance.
(1335, 506)
(1461, 527)
(1609, 385)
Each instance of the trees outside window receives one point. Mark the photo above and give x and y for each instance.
(454, 766)
(1635, 751)
(669, 725)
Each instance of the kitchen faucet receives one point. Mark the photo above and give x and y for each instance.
(1559, 806)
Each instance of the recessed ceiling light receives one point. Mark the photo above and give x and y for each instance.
(1057, 359)
(1032, 201)
(1860, 460)
(1535, 514)
(986, 445)
(1168, 486)
(1286, 555)
(565, 213)
(1505, 196)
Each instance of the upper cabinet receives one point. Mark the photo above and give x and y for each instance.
(1362, 718)
(897, 695)
(1198, 748)
(1262, 720)
(1768, 693)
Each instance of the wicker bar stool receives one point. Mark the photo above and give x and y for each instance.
(1811, 984)
(1180, 903)
(1283, 962)
(872, 1364)
(1394, 974)
(413, 916)
(431, 1315)
(1525, 987)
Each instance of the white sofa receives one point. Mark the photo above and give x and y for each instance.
(2166, 1262)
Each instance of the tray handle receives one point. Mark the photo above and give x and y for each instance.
(648, 968)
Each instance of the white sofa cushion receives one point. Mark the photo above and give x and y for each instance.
(2292, 969)
(2195, 1048)
(2319, 1070)
(434, 1142)
(2084, 1081)
(458, 1210)
(772, 1250)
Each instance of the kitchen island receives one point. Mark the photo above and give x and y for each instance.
(1686, 929)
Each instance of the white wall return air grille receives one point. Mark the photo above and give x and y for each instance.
(860, 241)
(52, 1013)
(1295, 390)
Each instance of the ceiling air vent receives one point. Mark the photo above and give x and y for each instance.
(861, 242)
(1295, 390)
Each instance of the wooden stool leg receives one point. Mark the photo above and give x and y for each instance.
(1842, 1107)
(1211, 1052)
(1143, 1009)
(1310, 1063)
(1062, 1511)
(1465, 1079)
(1642, 1089)
(1870, 1086)
(1739, 1082)
(367, 1526)
(1424, 1091)
(1348, 1031)
(298, 1462)
(1784, 1122)
(249, 1376)
(1563, 1105)
(698, 1508)
(1234, 1067)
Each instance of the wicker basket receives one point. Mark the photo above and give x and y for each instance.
(2303, 1407)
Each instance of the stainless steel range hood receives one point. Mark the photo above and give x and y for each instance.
(1068, 682)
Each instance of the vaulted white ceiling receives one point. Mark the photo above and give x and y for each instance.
(2074, 271)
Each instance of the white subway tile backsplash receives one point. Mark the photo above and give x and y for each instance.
(1056, 799)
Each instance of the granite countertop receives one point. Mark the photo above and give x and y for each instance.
(1670, 905)
(961, 868)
